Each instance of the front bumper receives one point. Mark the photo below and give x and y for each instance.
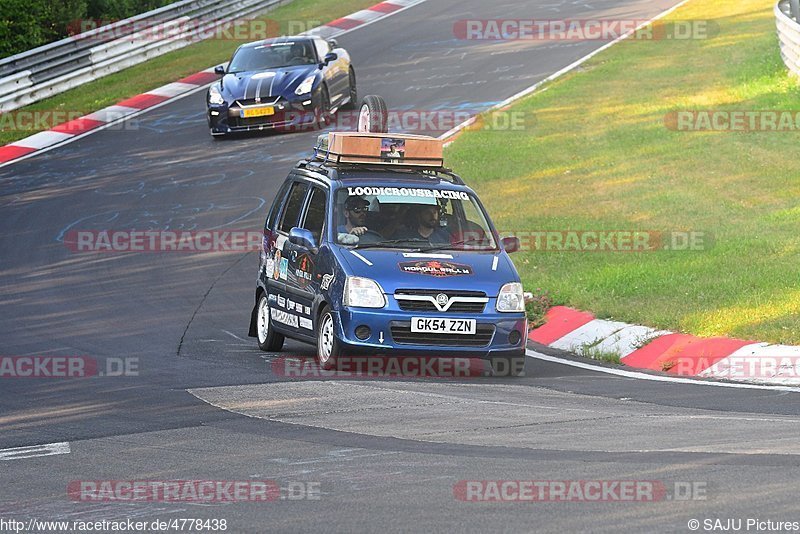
(299, 113)
(499, 334)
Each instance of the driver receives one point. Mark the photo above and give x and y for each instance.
(355, 214)
(298, 51)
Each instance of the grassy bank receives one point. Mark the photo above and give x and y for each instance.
(602, 156)
(180, 63)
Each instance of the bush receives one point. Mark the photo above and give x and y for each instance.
(21, 25)
(26, 24)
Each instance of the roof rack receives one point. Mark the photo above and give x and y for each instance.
(384, 149)
(434, 173)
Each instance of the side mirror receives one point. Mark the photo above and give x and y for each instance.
(303, 238)
(330, 56)
(334, 43)
(511, 244)
(219, 69)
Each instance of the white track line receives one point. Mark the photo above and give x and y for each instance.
(653, 378)
(34, 451)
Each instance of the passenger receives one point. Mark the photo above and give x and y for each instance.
(425, 225)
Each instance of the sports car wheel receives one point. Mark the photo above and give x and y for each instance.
(373, 117)
(268, 339)
(353, 103)
(324, 111)
(328, 348)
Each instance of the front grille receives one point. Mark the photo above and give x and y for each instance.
(265, 101)
(427, 306)
(402, 334)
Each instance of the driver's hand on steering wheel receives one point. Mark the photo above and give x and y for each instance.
(359, 230)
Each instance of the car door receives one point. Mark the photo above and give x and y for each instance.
(283, 319)
(303, 284)
(335, 72)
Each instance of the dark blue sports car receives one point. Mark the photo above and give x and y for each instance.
(282, 83)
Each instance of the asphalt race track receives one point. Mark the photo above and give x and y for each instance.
(385, 454)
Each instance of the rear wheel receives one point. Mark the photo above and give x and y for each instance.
(268, 339)
(373, 117)
(328, 347)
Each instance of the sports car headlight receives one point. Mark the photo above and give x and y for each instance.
(215, 97)
(363, 293)
(511, 298)
(306, 86)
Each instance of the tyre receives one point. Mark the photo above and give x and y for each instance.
(373, 117)
(324, 110)
(353, 103)
(268, 339)
(509, 365)
(328, 346)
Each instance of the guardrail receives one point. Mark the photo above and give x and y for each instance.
(57, 67)
(787, 13)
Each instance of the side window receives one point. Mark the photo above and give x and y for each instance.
(293, 206)
(315, 215)
(280, 200)
(322, 48)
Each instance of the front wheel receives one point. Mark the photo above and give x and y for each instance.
(324, 111)
(328, 347)
(268, 339)
(353, 103)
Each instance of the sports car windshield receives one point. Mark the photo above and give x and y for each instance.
(272, 56)
(418, 218)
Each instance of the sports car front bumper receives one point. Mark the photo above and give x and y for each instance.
(297, 113)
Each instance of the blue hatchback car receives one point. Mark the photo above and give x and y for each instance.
(387, 258)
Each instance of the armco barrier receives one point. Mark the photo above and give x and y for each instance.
(788, 34)
(54, 68)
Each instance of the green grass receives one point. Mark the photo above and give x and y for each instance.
(599, 156)
(591, 351)
(180, 63)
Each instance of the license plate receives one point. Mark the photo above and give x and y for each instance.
(257, 112)
(436, 325)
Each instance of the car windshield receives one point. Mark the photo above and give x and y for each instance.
(271, 56)
(410, 218)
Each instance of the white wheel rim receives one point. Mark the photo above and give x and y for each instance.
(325, 339)
(263, 320)
(363, 119)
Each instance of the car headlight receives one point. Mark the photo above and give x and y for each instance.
(215, 97)
(363, 293)
(511, 298)
(306, 86)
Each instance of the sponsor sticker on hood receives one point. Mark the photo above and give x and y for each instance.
(435, 268)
